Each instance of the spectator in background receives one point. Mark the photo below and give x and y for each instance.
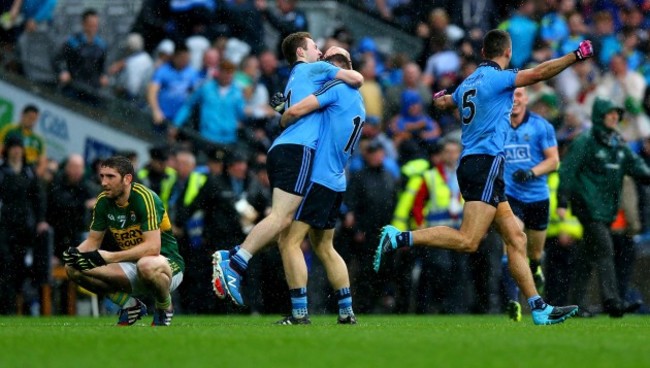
(577, 32)
(625, 87)
(605, 41)
(591, 180)
(442, 62)
(222, 225)
(151, 22)
(221, 108)
(163, 53)
(246, 24)
(69, 200)
(413, 124)
(411, 80)
(189, 17)
(475, 17)
(23, 218)
(33, 144)
(133, 72)
(286, 20)
(80, 62)
(523, 30)
(371, 89)
(210, 65)
(370, 199)
(156, 174)
(270, 76)
(170, 86)
(37, 14)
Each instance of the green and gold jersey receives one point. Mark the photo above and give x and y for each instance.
(143, 212)
(33, 143)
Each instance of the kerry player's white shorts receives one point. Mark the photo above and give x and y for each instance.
(137, 286)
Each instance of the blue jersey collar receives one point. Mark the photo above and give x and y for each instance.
(490, 63)
(524, 121)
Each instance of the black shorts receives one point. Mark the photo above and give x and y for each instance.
(320, 208)
(535, 215)
(289, 167)
(480, 178)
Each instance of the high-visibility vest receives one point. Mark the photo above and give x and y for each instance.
(570, 225)
(413, 170)
(143, 176)
(194, 184)
(440, 198)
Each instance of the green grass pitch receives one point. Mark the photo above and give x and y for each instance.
(377, 341)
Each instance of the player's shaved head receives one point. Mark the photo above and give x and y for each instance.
(495, 43)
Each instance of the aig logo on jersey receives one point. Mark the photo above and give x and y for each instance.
(517, 153)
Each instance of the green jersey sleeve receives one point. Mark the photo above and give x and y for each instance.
(100, 212)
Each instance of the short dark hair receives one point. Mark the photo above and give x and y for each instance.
(120, 163)
(88, 13)
(495, 43)
(291, 43)
(30, 108)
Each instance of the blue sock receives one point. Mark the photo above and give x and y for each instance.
(239, 262)
(298, 302)
(234, 250)
(536, 302)
(509, 285)
(404, 239)
(345, 302)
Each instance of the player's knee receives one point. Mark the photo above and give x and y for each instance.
(148, 267)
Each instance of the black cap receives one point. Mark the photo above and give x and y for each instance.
(159, 153)
(13, 141)
(234, 157)
(217, 154)
(374, 145)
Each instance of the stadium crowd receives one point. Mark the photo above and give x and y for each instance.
(203, 72)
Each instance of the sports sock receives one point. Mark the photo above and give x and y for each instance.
(234, 250)
(124, 300)
(166, 304)
(404, 239)
(298, 302)
(509, 285)
(536, 302)
(239, 262)
(534, 264)
(345, 302)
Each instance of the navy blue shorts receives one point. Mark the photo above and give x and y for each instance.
(289, 167)
(320, 208)
(535, 215)
(480, 178)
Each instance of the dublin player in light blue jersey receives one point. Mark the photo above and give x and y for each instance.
(342, 113)
(484, 101)
(289, 163)
(531, 153)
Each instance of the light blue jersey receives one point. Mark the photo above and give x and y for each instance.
(524, 150)
(304, 80)
(484, 100)
(342, 117)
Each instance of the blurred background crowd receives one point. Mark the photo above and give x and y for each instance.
(201, 73)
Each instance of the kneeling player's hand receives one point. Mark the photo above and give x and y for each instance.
(522, 176)
(70, 256)
(277, 101)
(89, 260)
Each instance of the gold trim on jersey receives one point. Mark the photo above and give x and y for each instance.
(152, 218)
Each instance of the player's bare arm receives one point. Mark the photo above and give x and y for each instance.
(550, 163)
(92, 242)
(149, 247)
(350, 77)
(302, 108)
(551, 68)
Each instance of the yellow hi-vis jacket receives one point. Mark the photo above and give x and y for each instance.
(570, 225)
(194, 184)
